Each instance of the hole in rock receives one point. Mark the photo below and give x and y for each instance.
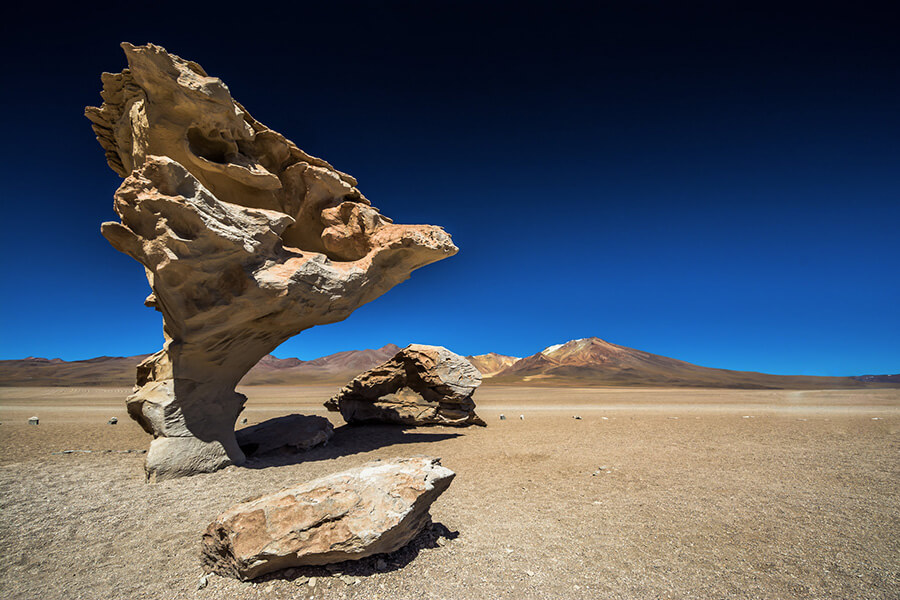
(216, 151)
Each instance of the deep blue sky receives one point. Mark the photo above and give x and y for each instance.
(718, 182)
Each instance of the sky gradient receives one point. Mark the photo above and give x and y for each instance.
(716, 182)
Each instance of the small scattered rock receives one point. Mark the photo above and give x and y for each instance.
(529, 573)
(269, 588)
(876, 418)
(502, 417)
(204, 581)
(311, 582)
(521, 417)
(33, 421)
(605, 418)
(243, 421)
(112, 421)
(576, 417)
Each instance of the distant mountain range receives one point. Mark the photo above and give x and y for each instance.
(584, 362)
(116, 371)
(592, 361)
(334, 368)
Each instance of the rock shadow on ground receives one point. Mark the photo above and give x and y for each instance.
(348, 440)
(434, 535)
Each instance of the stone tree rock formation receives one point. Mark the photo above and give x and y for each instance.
(420, 385)
(246, 241)
(374, 509)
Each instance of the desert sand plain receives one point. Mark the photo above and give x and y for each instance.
(653, 493)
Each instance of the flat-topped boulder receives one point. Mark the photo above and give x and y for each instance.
(291, 433)
(420, 385)
(374, 509)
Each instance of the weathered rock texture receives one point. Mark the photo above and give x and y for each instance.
(421, 385)
(290, 433)
(246, 241)
(379, 507)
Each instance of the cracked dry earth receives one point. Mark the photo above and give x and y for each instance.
(653, 493)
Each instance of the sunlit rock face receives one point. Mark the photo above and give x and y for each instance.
(420, 385)
(374, 509)
(246, 241)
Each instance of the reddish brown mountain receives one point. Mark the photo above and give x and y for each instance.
(355, 360)
(334, 368)
(592, 361)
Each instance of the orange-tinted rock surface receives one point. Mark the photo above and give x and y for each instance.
(377, 508)
(246, 241)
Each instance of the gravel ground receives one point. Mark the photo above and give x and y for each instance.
(651, 494)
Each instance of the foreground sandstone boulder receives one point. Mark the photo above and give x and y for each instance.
(420, 385)
(246, 240)
(377, 508)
